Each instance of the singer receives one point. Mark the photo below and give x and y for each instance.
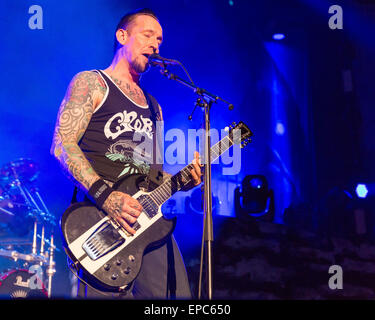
(94, 149)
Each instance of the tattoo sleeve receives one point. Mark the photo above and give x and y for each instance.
(73, 118)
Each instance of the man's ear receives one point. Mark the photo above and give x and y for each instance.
(121, 36)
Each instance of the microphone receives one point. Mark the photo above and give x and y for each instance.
(156, 60)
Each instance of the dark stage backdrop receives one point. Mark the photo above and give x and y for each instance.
(308, 98)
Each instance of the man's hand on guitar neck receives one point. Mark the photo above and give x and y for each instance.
(123, 208)
(196, 173)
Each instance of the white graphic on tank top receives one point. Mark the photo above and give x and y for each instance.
(134, 160)
(127, 122)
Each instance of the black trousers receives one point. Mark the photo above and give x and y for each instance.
(162, 276)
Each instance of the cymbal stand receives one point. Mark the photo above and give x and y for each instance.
(43, 257)
(17, 183)
(42, 244)
(33, 248)
(42, 202)
(44, 214)
(39, 214)
(32, 199)
(51, 266)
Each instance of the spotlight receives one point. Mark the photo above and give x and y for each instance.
(280, 128)
(255, 198)
(361, 190)
(278, 36)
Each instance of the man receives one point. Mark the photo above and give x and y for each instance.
(95, 142)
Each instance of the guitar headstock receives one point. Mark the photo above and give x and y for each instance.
(245, 134)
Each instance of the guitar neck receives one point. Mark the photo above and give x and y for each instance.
(175, 183)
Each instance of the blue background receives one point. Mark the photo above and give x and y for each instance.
(312, 135)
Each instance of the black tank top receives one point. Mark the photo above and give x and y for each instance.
(119, 138)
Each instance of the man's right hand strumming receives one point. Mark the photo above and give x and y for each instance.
(123, 208)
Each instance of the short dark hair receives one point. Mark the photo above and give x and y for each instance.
(128, 18)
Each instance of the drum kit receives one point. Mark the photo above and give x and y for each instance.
(26, 270)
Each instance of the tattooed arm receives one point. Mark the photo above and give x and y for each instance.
(84, 93)
(73, 118)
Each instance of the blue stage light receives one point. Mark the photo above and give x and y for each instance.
(361, 190)
(280, 129)
(256, 183)
(278, 36)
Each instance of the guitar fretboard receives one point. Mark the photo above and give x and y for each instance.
(175, 183)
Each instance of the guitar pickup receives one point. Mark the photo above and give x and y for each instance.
(103, 240)
(150, 208)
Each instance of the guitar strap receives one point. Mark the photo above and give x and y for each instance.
(155, 179)
(155, 176)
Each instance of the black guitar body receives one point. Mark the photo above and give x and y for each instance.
(118, 272)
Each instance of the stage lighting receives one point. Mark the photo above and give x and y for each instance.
(341, 213)
(361, 190)
(278, 36)
(280, 129)
(255, 198)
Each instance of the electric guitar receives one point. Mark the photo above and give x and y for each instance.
(108, 256)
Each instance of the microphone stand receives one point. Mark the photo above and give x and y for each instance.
(208, 225)
(204, 100)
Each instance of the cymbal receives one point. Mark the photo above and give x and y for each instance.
(23, 169)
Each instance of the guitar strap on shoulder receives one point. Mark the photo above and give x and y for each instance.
(155, 176)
